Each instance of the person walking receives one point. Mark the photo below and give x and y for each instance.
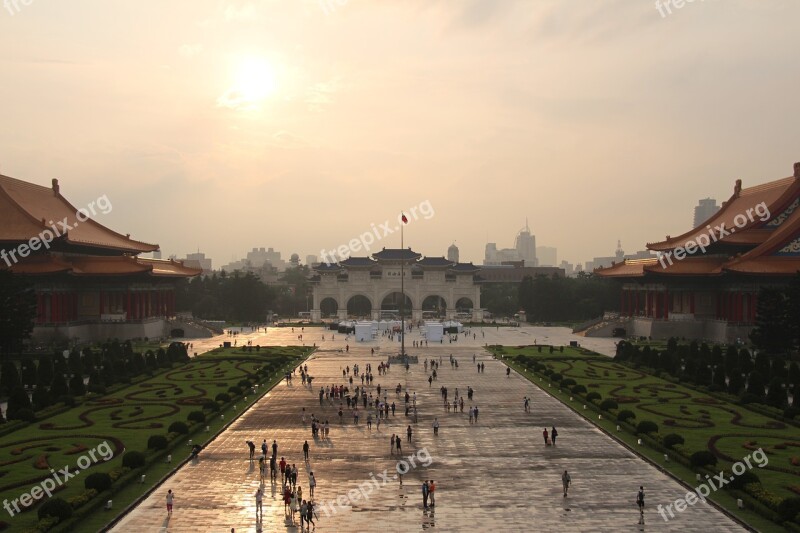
(259, 504)
(305, 450)
(252, 446)
(170, 501)
(312, 483)
(392, 452)
(432, 492)
(553, 435)
(544, 434)
(435, 426)
(274, 449)
(409, 432)
(264, 448)
(303, 513)
(399, 444)
(565, 481)
(640, 503)
(425, 494)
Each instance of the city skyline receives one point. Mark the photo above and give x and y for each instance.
(277, 117)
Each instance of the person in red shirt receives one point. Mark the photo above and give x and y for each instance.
(432, 493)
(282, 466)
(544, 433)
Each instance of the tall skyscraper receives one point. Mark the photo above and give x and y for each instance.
(706, 208)
(547, 255)
(526, 246)
(452, 253)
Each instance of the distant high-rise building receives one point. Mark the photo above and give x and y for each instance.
(198, 260)
(294, 260)
(256, 260)
(547, 256)
(452, 253)
(706, 208)
(524, 250)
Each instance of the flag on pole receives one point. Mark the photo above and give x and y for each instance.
(403, 218)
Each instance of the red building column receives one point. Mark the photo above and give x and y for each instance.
(666, 304)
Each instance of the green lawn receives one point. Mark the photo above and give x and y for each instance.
(125, 420)
(705, 422)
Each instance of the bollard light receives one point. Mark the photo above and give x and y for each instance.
(208, 429)
(234, 407)
(699, 477)
(222, 417)
(584, 407)
(639, 442)
(109, 504)
(570, 398)
(666, 457)
(739, 503)
(599, 417)
(141, 480)
(617, 427)
(190, 442)
(169, 458)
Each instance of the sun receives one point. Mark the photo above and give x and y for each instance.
(254, 81)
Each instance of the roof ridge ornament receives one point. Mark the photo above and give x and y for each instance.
(797, 170)
(737, 189)
(56, 187)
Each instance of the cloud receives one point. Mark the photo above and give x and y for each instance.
(190, 50)
(320, 94)
(238, 11)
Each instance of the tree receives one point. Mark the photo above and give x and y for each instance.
(17, 311)
(755, 384)
(773, 331)
(46, 369)
(9, 376)
(776, 395)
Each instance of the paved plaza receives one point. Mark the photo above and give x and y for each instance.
(494, 475)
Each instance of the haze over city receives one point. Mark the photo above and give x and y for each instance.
(224, 125)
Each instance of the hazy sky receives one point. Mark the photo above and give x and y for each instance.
(295, 124)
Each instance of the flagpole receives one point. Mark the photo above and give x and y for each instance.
(402, 296)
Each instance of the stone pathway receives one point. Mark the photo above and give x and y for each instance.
(496, 474)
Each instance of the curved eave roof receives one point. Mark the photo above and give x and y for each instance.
(465, 268)
(396, 254)
(435, 262)
(102, 266)
(358, 262)
(776, 195)
(30, 209)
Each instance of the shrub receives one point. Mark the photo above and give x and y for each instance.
(593, 396)
(68, 400)
(223, 397)
(647, 426)
(702, 458)
(244, 384)
(98, 481)
(157, 442)
(23, 414)
(133, 459)
(746, 398)
(567, 382)
(178, 427)
(211, 405)
(608, 404)
(555, 376)
(738, 482)
(789, 508)
(55, 507)
(624, 415)
(76, 386)
(578, 389)
(234, 391)
(672, 439)
(197, 416)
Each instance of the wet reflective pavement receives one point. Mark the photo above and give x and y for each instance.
(493, 475)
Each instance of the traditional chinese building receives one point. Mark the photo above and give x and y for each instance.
(705, 283)
(88, 280)
(369, 287)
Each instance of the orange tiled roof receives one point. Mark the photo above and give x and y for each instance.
(629, 268)
(28, 209)
(776, 195)
(86, 265)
